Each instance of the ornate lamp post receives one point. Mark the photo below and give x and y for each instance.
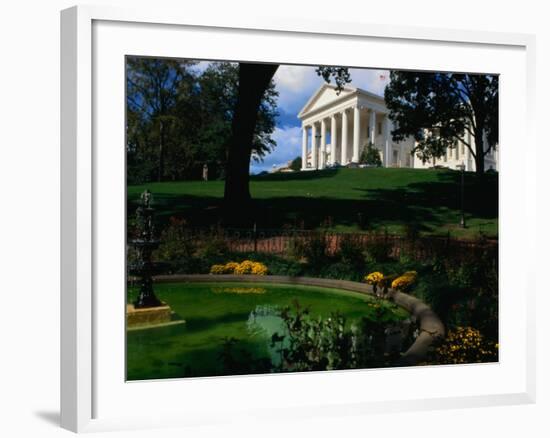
(145, 244)
(462, 168)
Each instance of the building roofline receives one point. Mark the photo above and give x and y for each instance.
(353, 90)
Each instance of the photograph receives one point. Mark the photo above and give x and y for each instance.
(286, 218)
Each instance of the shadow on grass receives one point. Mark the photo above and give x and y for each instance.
(426, 205)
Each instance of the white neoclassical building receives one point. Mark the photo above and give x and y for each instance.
(336, 128)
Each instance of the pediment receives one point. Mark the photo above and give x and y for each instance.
(324, 96)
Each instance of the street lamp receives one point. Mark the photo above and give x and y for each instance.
(462, 168)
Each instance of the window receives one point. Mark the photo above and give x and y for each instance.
(379, 128)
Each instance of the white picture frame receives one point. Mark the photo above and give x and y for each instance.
(89, 400)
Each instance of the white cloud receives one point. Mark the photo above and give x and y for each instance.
(289, 146)
(371, 80)
(201, 67)
(295, 85)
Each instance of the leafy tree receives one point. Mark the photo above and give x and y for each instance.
(153, 91)
(179, 119)
(254, 80)
(296, 164)
(437, 109)
(370, 155)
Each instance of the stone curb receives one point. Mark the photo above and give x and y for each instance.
(431, 327)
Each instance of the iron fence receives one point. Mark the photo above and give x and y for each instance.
(280, 242)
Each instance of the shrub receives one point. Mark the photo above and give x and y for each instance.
(213, 248)
(370, 155)
(374, 279)
(175, 244)
(465, 345)
(230, 267)
(316, 251)
(217, 269)
(244, 268)
(247, 267)
(379, 248)
(341, 271)
(351, 251)
(405, 282)
(308, 344)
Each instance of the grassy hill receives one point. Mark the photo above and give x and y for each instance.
(343, 200)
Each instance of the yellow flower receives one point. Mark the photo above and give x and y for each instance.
(250, 267)
(404, 281)
(217, 269)
(374, 277)
(230, 267)
(259, 269)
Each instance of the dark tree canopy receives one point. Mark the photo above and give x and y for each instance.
(438, 109)
(296, 164)
(179, 118)
(340, 75)
(370, 155)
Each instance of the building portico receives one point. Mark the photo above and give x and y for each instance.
(337, 127)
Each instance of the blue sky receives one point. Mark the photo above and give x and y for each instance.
(295, 85)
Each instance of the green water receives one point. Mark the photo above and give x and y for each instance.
(217, 311)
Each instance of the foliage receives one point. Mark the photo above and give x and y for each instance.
(313, 344)
(246, 267)
(175, 246)
(180, 119)
(316, 344)
(341, 76)
(379, 248)
(374, 277)
(315, 250)
(465, 345)
(351, 251)
(339, 270)
(405, 282)
(213, 248)
(250, 267)
(437, 109)
(296, 164)
(370, 155)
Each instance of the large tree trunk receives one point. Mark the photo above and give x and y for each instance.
(160, 174)
(480, 155)
(253, 82)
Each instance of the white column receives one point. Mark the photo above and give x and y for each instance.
(344, 138)
(333, 136)
(356, 133)
(304, 147)
(372, 126)
(314, 146)
(387, 141)
(323, 145)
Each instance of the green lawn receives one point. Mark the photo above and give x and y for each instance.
(345, 199)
